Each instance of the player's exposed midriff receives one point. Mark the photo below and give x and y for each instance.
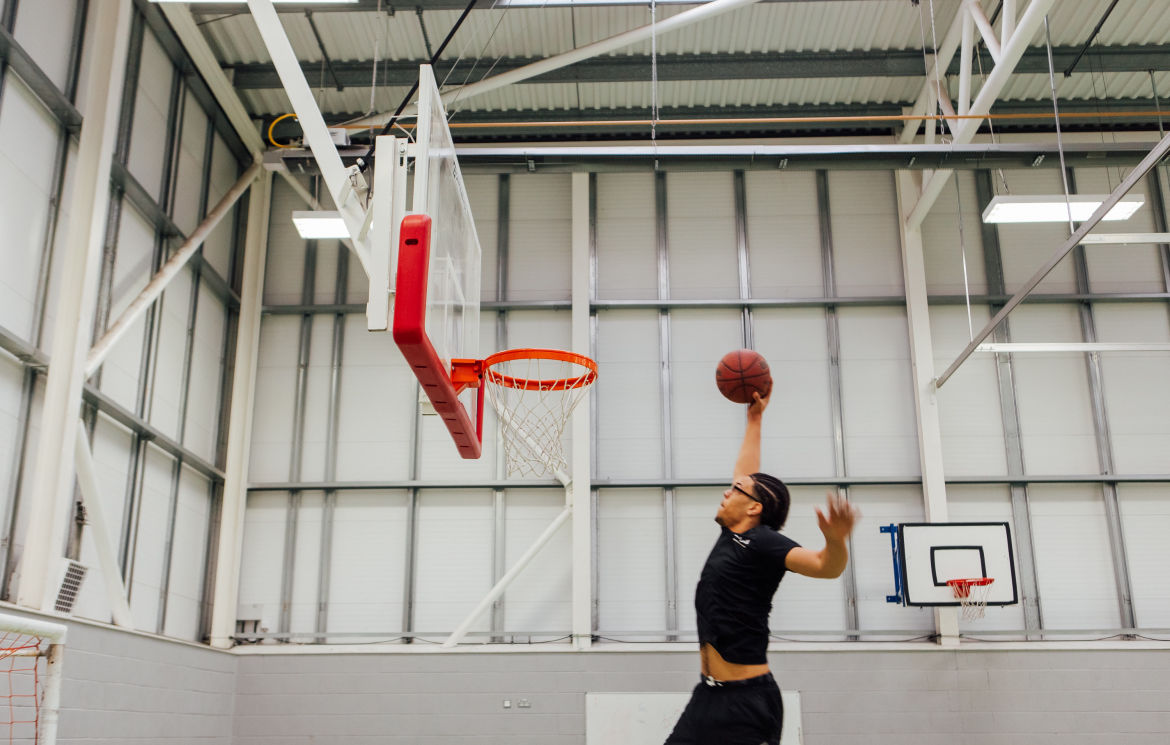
(720, 669)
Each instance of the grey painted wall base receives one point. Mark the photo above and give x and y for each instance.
(123, 687)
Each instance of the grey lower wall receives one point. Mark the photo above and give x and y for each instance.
(999, 696)
(122, 687)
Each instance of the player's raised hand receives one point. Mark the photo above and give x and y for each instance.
(837, 523)
(757, 406)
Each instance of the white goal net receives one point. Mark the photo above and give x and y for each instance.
(31, 653)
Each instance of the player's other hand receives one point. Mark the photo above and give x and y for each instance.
(837, 522)
(757, 406)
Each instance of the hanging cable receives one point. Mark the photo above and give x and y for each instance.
(434, 58)
(1157, 105)
(1056, 112)
(377, 48)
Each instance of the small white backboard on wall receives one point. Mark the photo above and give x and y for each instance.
(932, 553)
(649, 718)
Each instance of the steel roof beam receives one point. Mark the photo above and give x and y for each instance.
(212, 10)
(769, 66)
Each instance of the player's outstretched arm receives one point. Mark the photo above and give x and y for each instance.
(829, 562)
(748, 461)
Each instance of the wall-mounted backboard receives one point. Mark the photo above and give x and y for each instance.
(932, 553)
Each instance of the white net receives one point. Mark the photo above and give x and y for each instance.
(534, 396)
(972, 595)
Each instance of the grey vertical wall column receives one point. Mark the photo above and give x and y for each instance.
(292, 514)
(499, 504)
(411, 564)
(1021, 511)
(833, 334)
(1158, 203)
(663, 248)
(594, 494)
(1101, 430)
(36, 332)
(332, 422)
(742, 258)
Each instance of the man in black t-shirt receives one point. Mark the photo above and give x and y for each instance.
(737, 701)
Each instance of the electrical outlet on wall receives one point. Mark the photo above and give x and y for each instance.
(507, 704)
(524, 703)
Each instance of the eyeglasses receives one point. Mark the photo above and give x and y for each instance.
(735, 487)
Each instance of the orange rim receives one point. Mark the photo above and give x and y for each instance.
(527, 384)
(962, 587)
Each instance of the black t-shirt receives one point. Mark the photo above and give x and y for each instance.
(734, 596)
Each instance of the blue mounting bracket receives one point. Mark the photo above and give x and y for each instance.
(898, 597)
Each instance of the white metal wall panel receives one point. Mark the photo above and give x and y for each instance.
(695, 533)
(708, 429)
(1136, 396)
(867, 248)
(1025, 247)
(368, 566)
(262, 558)
(797, 437)
(627, 258)
(1052, 394)
(43, 29)
(377, 401)
(325, 286)
(151, 536)
(148, 140)
(28, 136)
(541, 598)
(303, 610)
(483, 193)
(987, 503)
(284, 272)
(132, 267)
(175, 305)
(803, 603)
(968, 405)
(1074, 566)
(951, 232)
(224, 172)
(188, 556)
(629, 419)
(272, 412)
(203, 390)
(700, 229)
(454, 564)
(881, 437)
(189, 184)
(784, 234)
(1145, 519)
(631, 558)
(873, 563)
(317, 394)
(11, 387)
(540, 239)
(1136, 268)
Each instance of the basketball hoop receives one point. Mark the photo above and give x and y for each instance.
(534, 391)
(972, 595)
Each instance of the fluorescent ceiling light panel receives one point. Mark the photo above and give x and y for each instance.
(1057, 347)
(319, 225)
(241, 2)
(1052, 208)
(1121, 239)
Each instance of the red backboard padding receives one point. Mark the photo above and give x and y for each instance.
(410, 334)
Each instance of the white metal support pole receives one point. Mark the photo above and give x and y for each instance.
(966, 58)
(942, 61)
(316, 133)
(1007, 24)
(95, 514)
(51, 703)
(579, 489)
(107, 42)
(934, 487)
(975, 10)
(235, 490)
(168, 272)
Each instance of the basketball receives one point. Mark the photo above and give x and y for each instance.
(742, 373)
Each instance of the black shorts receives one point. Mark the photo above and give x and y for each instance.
(739, 712)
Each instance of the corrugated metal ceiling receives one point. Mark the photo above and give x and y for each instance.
(535, 33)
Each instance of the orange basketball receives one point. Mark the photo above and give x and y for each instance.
(742, 373)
